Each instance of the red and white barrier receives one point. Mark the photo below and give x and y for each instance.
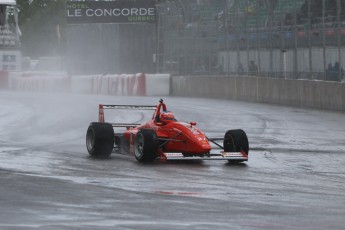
(38, 81)
(124, 84)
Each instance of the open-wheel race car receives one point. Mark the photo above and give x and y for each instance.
(163, 138)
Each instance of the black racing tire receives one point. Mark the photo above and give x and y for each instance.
(100, 139)
(145, 145)
(235, 141)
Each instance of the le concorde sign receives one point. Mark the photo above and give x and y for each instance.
(119, 11)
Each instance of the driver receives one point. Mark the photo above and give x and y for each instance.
(158, 110)
(165, 116)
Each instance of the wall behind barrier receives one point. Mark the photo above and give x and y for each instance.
(302, 93)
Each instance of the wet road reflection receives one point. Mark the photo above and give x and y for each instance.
(294, 178)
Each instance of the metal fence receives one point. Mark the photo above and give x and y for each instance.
(299, 39)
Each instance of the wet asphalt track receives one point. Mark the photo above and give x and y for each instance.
(295, 178)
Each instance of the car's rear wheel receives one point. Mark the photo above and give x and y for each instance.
(100, 139)
(145, 145)
(236, 141)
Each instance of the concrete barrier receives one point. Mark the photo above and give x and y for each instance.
(157, 84)
(178, 85)
(343, 97)
(331, 96)
(308, 94)
(3, 79)
(229, 87)
(268, 89)
(303, 93)
(289, 93)
(244, 90)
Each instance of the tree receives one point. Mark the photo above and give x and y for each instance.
(42, 23)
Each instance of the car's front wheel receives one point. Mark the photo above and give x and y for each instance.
(236, 141)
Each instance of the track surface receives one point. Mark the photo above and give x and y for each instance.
(295, 178)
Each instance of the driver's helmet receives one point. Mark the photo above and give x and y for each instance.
(167, 117)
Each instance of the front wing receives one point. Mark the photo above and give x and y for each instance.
(232, 156)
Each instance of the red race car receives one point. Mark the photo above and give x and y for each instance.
(163, 138)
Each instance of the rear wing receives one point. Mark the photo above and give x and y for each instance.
(124, 107)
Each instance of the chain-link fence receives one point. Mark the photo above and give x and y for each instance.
(110, 48)
(299, 39)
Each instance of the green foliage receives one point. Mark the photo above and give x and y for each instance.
(38, 21)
